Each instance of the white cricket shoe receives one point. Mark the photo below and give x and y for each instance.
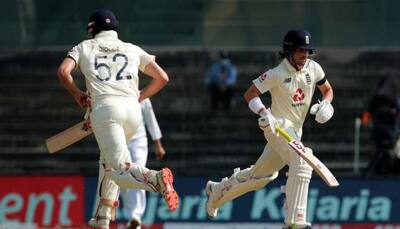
(212, 196)
(99, 223)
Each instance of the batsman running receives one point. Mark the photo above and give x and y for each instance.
(111, 67)
(291, 85)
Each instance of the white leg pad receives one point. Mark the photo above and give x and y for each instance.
(238, 184)
(128, 179)
(108, 192)
(296, 194)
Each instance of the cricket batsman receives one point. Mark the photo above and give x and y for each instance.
(111, 67)
(291, 85)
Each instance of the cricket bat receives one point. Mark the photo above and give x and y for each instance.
(312, 160)
(68, 137)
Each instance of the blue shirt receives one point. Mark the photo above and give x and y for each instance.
(222, 73)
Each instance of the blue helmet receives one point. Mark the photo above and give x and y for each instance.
(297, 38)
(100, 20)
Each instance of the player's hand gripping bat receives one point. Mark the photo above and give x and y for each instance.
(299, 148)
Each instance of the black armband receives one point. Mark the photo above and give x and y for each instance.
(321, 81)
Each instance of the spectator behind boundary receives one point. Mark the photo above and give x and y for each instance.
(384, 109)
(220, 81)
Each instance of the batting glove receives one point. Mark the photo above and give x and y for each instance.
(267, 122)
(323, 111)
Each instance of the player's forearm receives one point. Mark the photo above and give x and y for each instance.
(157, 143)
(152, 88)
(65, 76)
(328, 95)
(160, 152)
(254, 102)
(251, 93)
(160, 79)
(68, 82)
(326, 91)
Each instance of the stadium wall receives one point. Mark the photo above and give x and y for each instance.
(203, 23)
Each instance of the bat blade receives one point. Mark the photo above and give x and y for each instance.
(312, 160)
(315, 163)
(68, 137)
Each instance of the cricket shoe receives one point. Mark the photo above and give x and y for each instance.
(306, 226)
(212, 197)
(165, 180)
(101, 223)
(134, 224)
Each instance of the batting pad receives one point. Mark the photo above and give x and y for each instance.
(108, 193)
(127, 180)
(296, 194)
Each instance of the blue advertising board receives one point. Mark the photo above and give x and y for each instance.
(354, 201)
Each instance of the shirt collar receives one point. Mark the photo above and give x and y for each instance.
(107, 33)
(290, 67)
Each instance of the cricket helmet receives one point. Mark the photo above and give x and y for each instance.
(101, 20)
(297, 38)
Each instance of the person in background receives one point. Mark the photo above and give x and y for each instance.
(220, 81)
(384, 111)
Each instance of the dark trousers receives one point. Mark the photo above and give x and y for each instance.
(221, 97)
(385, 136)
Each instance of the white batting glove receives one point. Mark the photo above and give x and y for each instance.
(264, 124)
(323, 111)
(267, 122)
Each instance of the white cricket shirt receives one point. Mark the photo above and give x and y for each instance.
(291, 91)
(110, 65)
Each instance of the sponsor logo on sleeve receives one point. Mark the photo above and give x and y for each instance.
(262, 77)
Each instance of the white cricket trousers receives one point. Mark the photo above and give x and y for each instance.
(134, 200)
(114, 121)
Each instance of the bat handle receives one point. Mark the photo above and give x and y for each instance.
(271, 121)
(284, 134)
(87, 113)
(277, 128)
